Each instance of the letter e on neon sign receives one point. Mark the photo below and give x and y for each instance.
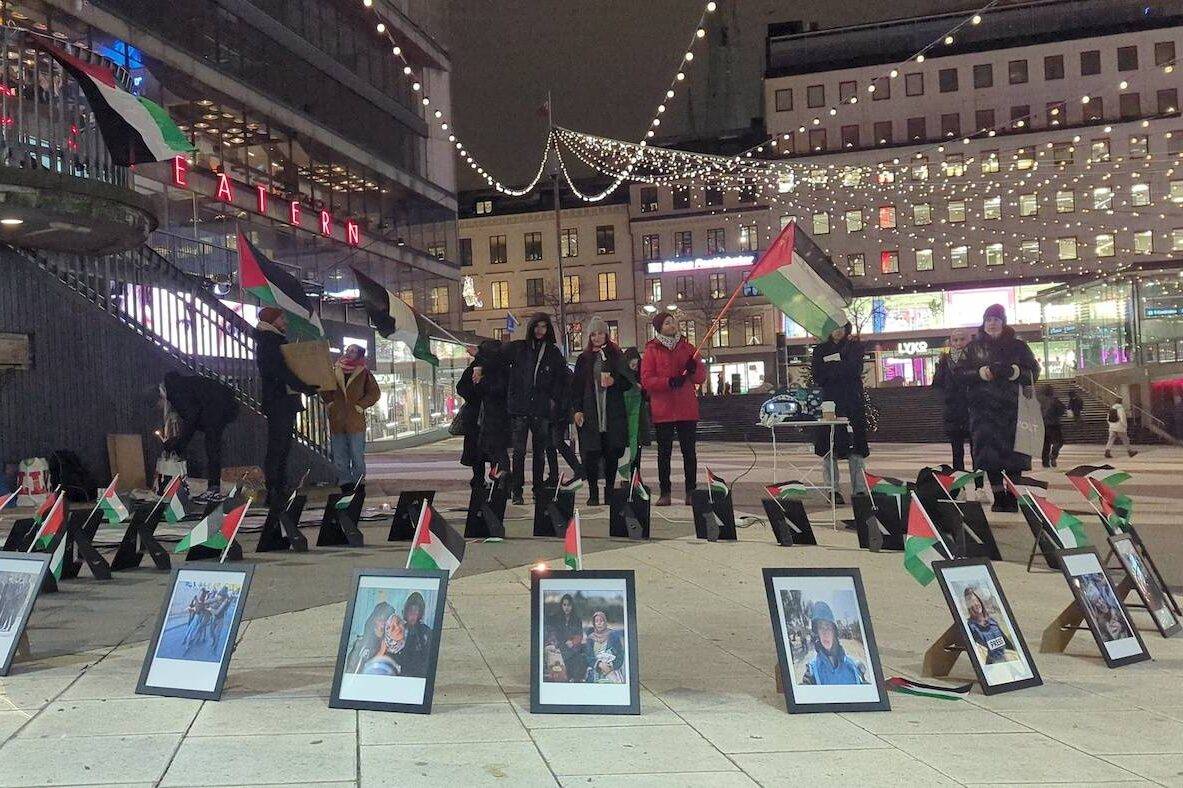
(294, 212)
(352, 233)
(180, 171)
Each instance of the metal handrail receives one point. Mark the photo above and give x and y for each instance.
(1099, 390)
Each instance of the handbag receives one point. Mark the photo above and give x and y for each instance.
(457, 428)
(1029, 424)
(169, 465)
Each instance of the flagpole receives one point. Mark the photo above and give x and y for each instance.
(418, 528)
(743, 280)
(558, 210)
(230, 542)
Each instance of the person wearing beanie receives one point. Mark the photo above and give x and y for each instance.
(837, 367)
(598, 409)
(671, 370)
(994, 367)
(280, 391)
(356, 390)
(536, 381)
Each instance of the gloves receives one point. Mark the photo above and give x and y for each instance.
(691, 365)
(677, 381)
(1000, 371)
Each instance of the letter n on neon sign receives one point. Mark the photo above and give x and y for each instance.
(352, 233)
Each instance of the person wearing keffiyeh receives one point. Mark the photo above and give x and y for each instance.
(355, 391)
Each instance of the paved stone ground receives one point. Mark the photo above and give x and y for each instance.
(710, 712)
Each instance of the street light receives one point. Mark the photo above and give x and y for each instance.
(648, 309)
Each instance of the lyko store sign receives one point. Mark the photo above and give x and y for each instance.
(225, 193)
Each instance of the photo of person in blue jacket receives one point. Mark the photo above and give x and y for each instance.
(830, 663)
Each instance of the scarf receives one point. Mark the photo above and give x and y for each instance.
(263, 325)
(669, 342)
(349, 366)
(599, 637)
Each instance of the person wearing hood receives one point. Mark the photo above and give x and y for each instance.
(636, 404)
(598, 409)
(280, 390)
(199, 404)
(995, 366)
(671, 369)
(535, 388)
(484, 414)
(837, 367)
(356, 390)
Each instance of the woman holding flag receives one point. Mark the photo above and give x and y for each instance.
(597, 402)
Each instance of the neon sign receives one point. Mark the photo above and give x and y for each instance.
(180, 171)
(261, 197)
(225, 190)
(700, 264)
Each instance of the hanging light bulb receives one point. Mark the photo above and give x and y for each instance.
(381, 27)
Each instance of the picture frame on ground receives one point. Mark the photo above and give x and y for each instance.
(1146, 583)
(983, 617)
(583, 643)
(825, 644)
(21, 576)
(1106, 616)
(195, 633)
(390, 640)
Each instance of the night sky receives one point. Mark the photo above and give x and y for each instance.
(608, 62)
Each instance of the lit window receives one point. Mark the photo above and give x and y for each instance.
(989, 162)
(954, 165)
(1025, 158)
(1105, 245)
(533, 243)
(1140, 194)
(716, 241)
(887, 217)
(749, 238)
(753, 329)
(722, 335)
(648, 199)
(920, 168)
(500, 295)
(921, 214)
(959, 257)
(497, 249)
(854, 221)
(689, 330)
(1177, 240)
(924, 259)
(1063, 153)
(1139, 146)
(650, 247)
(1144, 242)
(570, 242)
(1065, 201)
(1099, 150)
(957, 211)
(606, 239)
(571, 289)
(885, 174)
(992, 208)
(889, 262)
(1066, 248)
(1176, 191)
(684, 243)
(439, 300)
(856, 265)
(1029, 251)
(484, 207)
(786, 219)
(1102, 198)
(994, 254)
(1028, 204)
(717, 284)
(607, 282)
(821, 223)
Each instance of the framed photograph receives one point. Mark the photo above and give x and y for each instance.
(824, 642)
(583, 643)
(390, 640)
(1116, 636)
(1146, 583)
(992, 639)
(195, 634)
(21, 576)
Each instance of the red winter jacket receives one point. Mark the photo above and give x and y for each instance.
(658, 365)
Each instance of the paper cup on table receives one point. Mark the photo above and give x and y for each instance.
(827, 410)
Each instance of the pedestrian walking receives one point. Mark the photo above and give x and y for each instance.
(837, 367)
(534, 389)
(280, 391)
(1119, 429)
(598, 409)
(356, 390)
(195, 403)
(1053, 431)
(995, 366)
(671, 370)
(1076, 404)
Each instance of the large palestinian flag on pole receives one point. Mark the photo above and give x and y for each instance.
(394, 318)
(798, 277)
(273, 286)
(923, 544)
(437, 545)
(134, 129)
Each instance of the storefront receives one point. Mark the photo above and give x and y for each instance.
(738, 377)
(908, 362)
(417, 398)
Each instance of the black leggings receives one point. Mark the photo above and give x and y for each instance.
(606, 463)
(685, 432)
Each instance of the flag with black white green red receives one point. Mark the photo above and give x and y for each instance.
(787, 491)
(112, 505)
(51, 524)
(496, 472)
(953, 481)
(910, 687)
(885, 485)
(437, 545)
(216, 531)
(346, 500)
(9, 500)
(57, 561)
(1105, 474)
(174, 500)
(134, 129)
(637, 488)
(50, 499)
(1117, 509)
(923, 544)
(800, 280)
(572, 485)
(1066, 528)
(716, 485)
(273, 286)
(395, 319)
(573, 545)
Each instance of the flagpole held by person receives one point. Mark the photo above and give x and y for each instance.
(671, 369)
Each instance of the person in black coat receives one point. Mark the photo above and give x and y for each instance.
(484, 414)
(280, 391)
(995, 366)
(599, 412)
(202, 405)
(837, 367)
(1054, 412)
(956, 397)
(535, 378)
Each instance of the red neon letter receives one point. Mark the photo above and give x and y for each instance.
(180, 171)
(294, 213)
(261, 197)
(352, 233)
(326, 223)
(225, 191)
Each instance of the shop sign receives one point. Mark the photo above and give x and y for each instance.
(1164, 311)
(700, 264)
(912, 348)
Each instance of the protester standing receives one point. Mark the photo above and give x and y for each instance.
(1119, 429)
(195, 404)
(560, 442)
(535, 375)
(636, 403)
(484, 415)
(1076, 403)
(280, 391)
(954, 392)
(356, 390)
(598, 409)
(837, 367)
(670, 371)
(996, 365)
(1053, 430)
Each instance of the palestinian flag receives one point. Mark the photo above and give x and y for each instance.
(45, 507)
(1116, 508)
(909, 687)
(953, 481)
(52, 523)
(135, 130)
(716, 485)
(923, 544)
(787, 491)
(1067, 529)
(885, 485)
(344, 501)
(569, 485)
(174, 494)
(637, 488)
(573, 545)
(216, 531)
(801, 281)
(9, 500)
(495, 473)
(274, 286)
(57, 561)
(111, 504)
(437, 545)
(393, 318)
(1105, 474)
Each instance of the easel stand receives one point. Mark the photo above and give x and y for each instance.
(553, 510)
(943, 654)
(1060, 632)
(138, 537)
(338, 527)
(628, 519)
(201, 552)
(281, 530)
(486, 512)
(20, 536)
(80, 527)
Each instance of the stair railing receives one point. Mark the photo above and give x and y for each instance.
(1145, 418)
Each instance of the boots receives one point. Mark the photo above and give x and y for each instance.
(1004, 501)
(593, 494)
(664, 500)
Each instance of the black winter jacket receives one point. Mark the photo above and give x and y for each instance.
(953, 389)
(536, 387)
(994, 404)
(204, 404)
(841, 381)
(276, 377)
(486, 419)
(583, 400)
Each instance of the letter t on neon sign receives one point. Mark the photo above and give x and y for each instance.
(261, 197)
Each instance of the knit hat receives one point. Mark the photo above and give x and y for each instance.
(596, 324)
(658, 319)
(269, 314)
(997, 311)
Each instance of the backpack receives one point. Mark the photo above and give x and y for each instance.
(66, 469)
(1113, 417)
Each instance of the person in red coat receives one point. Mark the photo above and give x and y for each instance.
(670, 370)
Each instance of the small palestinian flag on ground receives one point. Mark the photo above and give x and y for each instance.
(885, 485)
(495, 473)
(274, 286)
(923, 544)
(57, 561)
(1105, 474)
(953, 481)
(9, 500)
(910, 687)
(787, 491)
(437, 545)
(1067, 529)
(637, 488)
(1116, 508)
(573, 545)
(569, 485)
(394, 318)
(45, 507)
(346, 500)
(216, 531)
(716, 485)
(174, 500)
(52, 523)
(112, 505)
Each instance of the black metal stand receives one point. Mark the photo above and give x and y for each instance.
(77, 525)
(281, 529)
(338, 527)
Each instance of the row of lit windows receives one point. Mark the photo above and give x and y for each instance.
(536, 292)
(437, 299)
(532, 245)
(748, 240)
(686, 289)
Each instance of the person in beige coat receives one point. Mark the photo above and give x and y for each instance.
(356, 390)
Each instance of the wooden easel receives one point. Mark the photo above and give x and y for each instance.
(1060, 632)
(942, 655)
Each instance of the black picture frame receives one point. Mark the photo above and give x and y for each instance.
(943, 570)
(868, 515)
(576, 581)
(876, 699)
(1146, 584)
(406, 514)
(1072, 563)
(242, 573)
(417, 579)
(38, 568)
